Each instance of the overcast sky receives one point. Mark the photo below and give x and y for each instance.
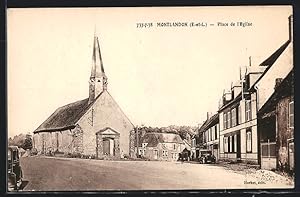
(159, 76)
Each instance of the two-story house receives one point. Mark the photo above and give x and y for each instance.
(211, 135)
(239, 135)
(161, 146)
(237, 116)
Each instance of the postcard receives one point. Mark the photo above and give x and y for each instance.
(150, 98)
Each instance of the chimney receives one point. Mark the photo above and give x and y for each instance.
(291, 20)
(250, 58)
(277, 82)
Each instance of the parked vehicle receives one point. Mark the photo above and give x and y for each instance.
(206, 156)
(15, 174)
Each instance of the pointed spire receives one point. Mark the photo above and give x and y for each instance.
(97, 67)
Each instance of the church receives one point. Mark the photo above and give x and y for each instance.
(93, 127)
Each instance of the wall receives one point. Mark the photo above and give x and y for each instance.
(149, 153)
(106, 114)
(284, 133)
(46, 141)
(242, 126)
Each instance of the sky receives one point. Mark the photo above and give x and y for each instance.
(159, 76)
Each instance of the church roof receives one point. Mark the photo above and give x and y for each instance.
(64, 117)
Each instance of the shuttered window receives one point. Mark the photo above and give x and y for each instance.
(248, 110)
(235, 143)
(239, 115)
(225, 144)
(225, 120)
(216, 132)
(249, 140)
(291, 114)
(229, 144)
(228, 119)
(233, 117)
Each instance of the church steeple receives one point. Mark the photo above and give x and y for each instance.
(97, 68)
(98, 79)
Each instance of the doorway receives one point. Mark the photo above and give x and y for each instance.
(108, 146)
(238, 146)
(155, 154)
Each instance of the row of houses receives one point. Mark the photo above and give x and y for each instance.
(255, 119)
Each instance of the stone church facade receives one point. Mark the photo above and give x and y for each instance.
(95, 126)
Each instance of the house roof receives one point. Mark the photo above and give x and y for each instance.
(213, 120)
(188, 146)
(209, 122)
(285, 88)
(203, 126)
(236, 99)
(267, 62)
(270, 61)
(64, 117)
(153, 139)
(274, 56)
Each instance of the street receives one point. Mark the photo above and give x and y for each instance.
(63, 174)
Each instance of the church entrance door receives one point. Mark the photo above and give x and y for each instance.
(107, 143)
(108, 146)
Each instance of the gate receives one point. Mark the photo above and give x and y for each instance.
(268, 155)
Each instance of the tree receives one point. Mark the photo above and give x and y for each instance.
(27, 142)
(17, 140)
(21, 141)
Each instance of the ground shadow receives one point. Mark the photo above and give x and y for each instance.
(23, 185)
